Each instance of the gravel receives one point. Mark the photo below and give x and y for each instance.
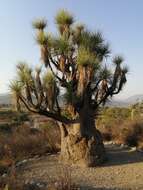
(122, 171)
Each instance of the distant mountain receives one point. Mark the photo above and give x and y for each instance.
(116, 103)
(7, 99)
(127, 102)
(135, 99)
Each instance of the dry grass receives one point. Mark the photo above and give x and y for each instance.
(63, 182)
(128, 132)
(24, 143)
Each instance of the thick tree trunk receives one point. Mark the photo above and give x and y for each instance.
(82, 144)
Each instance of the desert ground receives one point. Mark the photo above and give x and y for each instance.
(122, 171)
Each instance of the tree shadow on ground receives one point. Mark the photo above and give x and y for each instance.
(117, 155)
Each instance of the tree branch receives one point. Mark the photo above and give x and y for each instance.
(55, 116)
(58, 117)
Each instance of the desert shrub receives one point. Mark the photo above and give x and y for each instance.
(128, 132)
(111, 116)
(19, 141)
(5, 128)
(128, 137)
(107, 136)
(23, 143)
(20, 117)
(131, 133)
(52, 133)
(10, 119)
(116, 124)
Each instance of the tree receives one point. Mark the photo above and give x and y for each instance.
(73, 67)
(16, 89)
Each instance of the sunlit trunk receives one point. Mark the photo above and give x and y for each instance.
(82, 144)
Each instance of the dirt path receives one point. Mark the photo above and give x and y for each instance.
(123, 170)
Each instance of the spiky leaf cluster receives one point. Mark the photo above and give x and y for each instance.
(39, 24)
(64, 18)
(86, 58)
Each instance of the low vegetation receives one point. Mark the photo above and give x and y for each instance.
(19, 141)
(120, 126)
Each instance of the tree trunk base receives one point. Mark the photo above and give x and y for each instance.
(82, 151)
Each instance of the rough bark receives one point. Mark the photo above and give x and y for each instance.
(82, 144)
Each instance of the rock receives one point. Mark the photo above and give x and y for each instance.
(18, 164)
(4, 175)
(37, 156)
(34, 185)
(133, 148)
(23, 162)
(122, 145)
(108, 143)
(126, 146)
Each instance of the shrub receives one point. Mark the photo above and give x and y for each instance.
(117, 125)
(107, 136)
(23, 143)
(131, 133)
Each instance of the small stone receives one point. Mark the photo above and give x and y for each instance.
(133, 148)
(122, 145)
(37, 156)
(23, 162)
(126, 146)
(4, 175)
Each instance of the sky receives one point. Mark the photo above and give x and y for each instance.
(120, 21)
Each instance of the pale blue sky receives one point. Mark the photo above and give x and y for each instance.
(121, 22)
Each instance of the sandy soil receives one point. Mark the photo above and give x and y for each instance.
(122, 171)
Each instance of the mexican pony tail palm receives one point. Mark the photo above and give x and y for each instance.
(70, 86)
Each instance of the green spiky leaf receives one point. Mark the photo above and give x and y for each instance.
(48, 79)
(16, 87)
(39, 24)
(118, 60)
(44, 38)
(85, 57)
(105, 73)
(61, 46)
(63, 17)
(24, 72)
